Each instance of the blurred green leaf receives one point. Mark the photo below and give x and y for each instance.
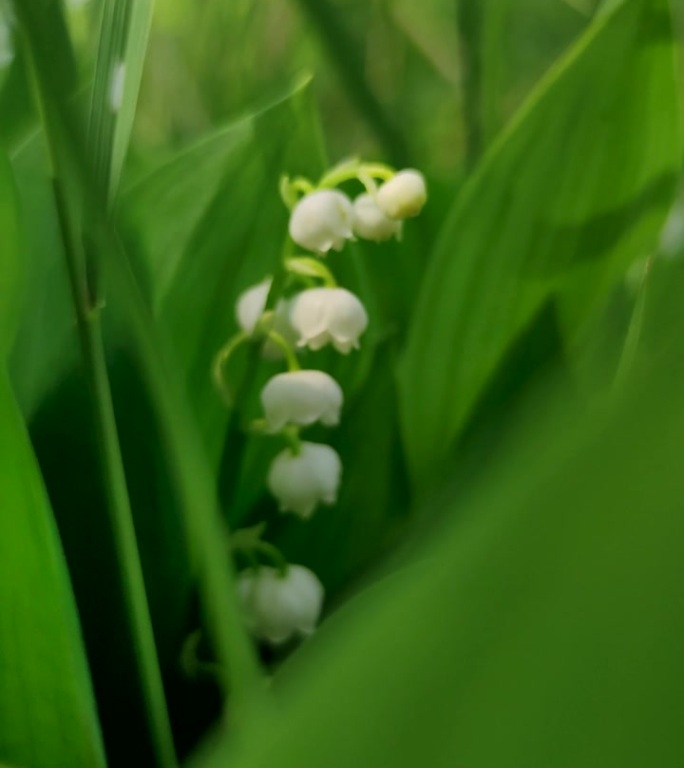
(16, 106)
(573, 192)
(182, 453)
(11, 268)
(210, 224)
(47, 712)
(46, 344)
(541, 627)
(345, 52)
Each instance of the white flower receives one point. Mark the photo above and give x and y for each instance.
(250, 307)
(279, 606)
(322, 220)
(404, 195)
(371, 222)
(322, 315)
(299, 482)
(302, 398)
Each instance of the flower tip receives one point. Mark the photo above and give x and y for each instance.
(404, 195)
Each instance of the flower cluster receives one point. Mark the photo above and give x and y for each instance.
(327, 218)
(303, 308)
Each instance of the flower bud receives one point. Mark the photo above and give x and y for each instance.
(371, 222)
(249, 309)
(322, 315)
(251, 304)
(301, 481)
(301, 398)
(322, 220)
(404, 195)
(280, 606)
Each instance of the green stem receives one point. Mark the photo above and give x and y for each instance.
(118, 502)
(355, 172)
(273, 554)
(220, 360)
(291, 435)
(306, 266)
(286, 347)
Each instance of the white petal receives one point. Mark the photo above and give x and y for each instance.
(322, 220)
(300, 482)
(277, 607)
(301, 397)
(322, 315)
(251, 304)
(404, 195)
(371, 222)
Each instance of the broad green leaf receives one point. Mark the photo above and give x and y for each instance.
(572, 193)
(540, 627)
(209, 225)
(47, 712)
(10, 256)
(181, 449)
(46, 345)
(17, 112)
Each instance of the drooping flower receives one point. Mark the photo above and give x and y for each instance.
(371, 222)
(301, 398)
(328, 315)
(404, 195)
(322, 220)
(250, 307)
(277, 606)
(301, 481)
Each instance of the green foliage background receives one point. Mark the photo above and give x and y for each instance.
(504, 566)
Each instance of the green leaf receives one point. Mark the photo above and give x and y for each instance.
(124, 32)
(541, 626)
(47, 712)
(573, 192)
(344, 51)
(208, 225)
(11, 271)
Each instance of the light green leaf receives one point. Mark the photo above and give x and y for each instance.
(47, 712)
(124, 33)
(540, 627)
(570, 195)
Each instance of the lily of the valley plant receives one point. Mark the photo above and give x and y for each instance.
(280, 600)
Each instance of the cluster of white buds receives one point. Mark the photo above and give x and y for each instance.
(327, 218)
(285, 601)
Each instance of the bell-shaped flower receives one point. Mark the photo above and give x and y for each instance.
(250, 307)
(322, 220)
(371, 222)
(404, 195)
(328, 315)
(280, 606)
(303, 480)
(301, 398)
